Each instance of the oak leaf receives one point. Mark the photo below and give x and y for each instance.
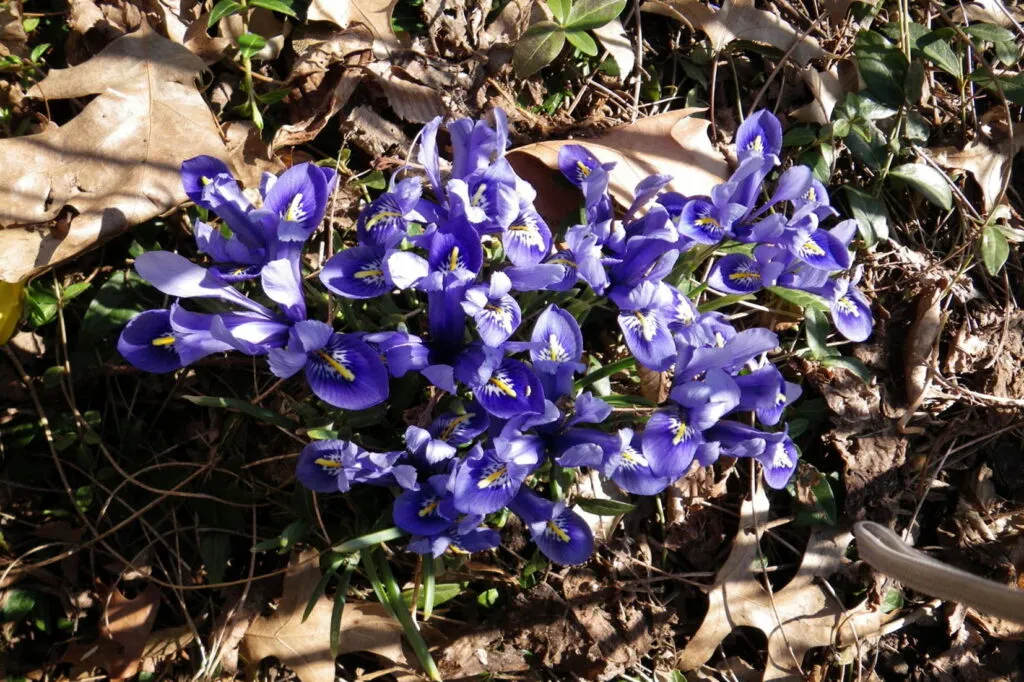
(739, 20)
(115, 164)
(674, 143)
(304, 646)
(125, 630)
(799, 617)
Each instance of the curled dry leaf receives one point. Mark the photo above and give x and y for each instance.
(988, 162)
(1000, 12)
(125, 629)
(797, 618)
(920, 345)
(412, 101)
(674, 143)
(613, 38)
(827, 88)
(325, 74)
(12, 32)
(373, 14)
(116, 164)
(304, 646)
(739, 20)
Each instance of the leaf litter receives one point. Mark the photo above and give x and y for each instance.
(127, 145)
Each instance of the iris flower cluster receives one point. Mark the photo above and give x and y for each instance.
(463, 237)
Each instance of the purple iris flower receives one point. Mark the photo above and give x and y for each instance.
(644, 315)
(358, 272)
(851, 310)
(578, 164)
(428, 511)
(476, 144)
(503, 386)
(760, 135)
(162, 341)
(299, 198)
(709, 220)
(527, 240)
(402, 352)
(385, 221)
(342, 369)
(497, 314)
(649, 253)
(175, 275)
(674, 435)
(556, 349)
(766, 392)
(487, 197)
(628, 467)
(460, 428)
(422, 445)
(560, 533)
(776, 452)
(487, 480)
(732, 351)
(738, 273)
(327, 466)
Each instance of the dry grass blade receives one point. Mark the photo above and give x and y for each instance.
(114, 165)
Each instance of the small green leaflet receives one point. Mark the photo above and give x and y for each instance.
(249, 44)
(560, 10)
(817, 327)
(582, 41)
(995, 248)
(224, 8)
(872, 218)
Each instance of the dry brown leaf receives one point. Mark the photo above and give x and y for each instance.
(323, 77)
(412, 101)
(674, 143)
(797, 618)
(373, 133)
(373, 14)
(510, 23)
(920, 345)
(12, 32)
(827, 88)
(992, 11)
(305, 646)
(654, 386)
(739, 20)
(613, 38)
(988, 163)
(125, 629)
(114, 165)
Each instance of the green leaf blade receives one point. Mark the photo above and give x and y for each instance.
(589, 14)
(282, 6)
(538, 47)
(995, 249)
(932, 184)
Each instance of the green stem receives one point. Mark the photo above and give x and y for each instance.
(369, 540)
(606, 371)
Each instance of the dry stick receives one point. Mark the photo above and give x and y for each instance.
(638, 66)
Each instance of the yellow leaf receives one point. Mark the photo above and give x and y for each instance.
(10, 308)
